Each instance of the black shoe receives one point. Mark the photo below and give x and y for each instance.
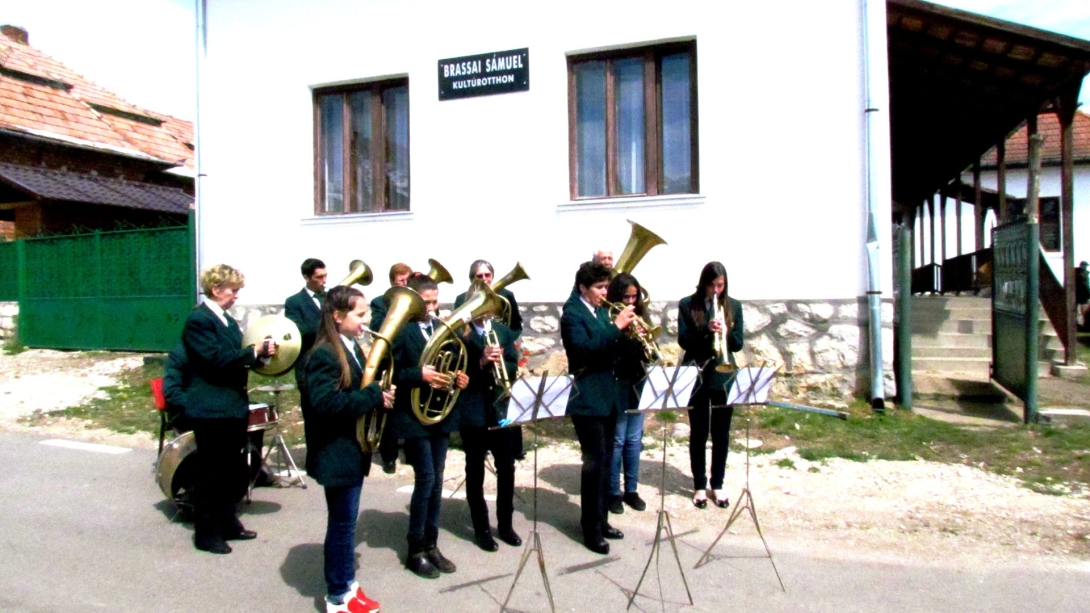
(213, 544)
(440, 561)
(615, 505)
(610, 532)
(241, 535)
(509, 536)
(263, 480)
(421, 566)
(633, 500)
(597, 546)
(486, 542)
(389, 467)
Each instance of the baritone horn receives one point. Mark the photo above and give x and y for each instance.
(438, 273)
(359, 273)
(518, 273)
(446, 353)
(404, 305)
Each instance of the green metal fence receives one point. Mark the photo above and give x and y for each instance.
(9, 272)
(124, 290)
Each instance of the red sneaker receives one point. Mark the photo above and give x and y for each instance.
(359, 602)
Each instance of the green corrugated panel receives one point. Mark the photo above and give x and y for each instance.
(9, 272)
(110, 290)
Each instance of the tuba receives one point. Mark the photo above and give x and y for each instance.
(405, 305)
(358, 273)
(640, 241)
(518, 273)
(445, 353)
(284, 333)
(438, 273)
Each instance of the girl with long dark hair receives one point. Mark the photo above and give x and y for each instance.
(628, 370)
(709, 312)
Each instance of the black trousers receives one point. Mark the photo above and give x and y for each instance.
(221, 477)
(596, 441)
(387, 446)
(704, 421)
(477, 442)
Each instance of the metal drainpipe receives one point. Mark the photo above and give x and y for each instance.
(875, 70)
(198, 180)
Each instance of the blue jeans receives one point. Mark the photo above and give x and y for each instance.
(627, 445)
(343, 506)
(427, 455)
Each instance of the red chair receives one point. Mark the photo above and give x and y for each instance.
(161, 404)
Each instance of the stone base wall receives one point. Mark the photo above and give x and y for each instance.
(9, 320)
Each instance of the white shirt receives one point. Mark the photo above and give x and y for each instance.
(482, 329)
(426, 328)
(314, 297)
(350, 345)
(218, 310)
(593, 311)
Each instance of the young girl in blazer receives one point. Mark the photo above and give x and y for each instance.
(332, 403)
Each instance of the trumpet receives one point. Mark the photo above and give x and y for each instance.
(499, 369)
(639, 330)
(405, 306)
(719, 342)
(446, 353)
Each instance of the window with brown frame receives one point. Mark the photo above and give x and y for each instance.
(361, 161)
(632, 122)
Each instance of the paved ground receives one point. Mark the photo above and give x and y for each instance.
(90, 531)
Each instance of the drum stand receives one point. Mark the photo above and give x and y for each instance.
(284, 462)
(744, 503)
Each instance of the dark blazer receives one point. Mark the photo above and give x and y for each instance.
(696, 340)
(516, 317)
(378, 312)
(629, 372)
(176, 380)
(219, 365)
(591, 344)
(477, 402)
(407, 349)
(334, 456)
(300, 308)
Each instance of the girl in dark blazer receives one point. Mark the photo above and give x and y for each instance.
(425, 446)
(591, 342)
(629, 370)
(477, 412)
(332, 402)
(696, 330)
(217, 408)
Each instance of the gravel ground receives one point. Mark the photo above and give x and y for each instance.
(958, 513)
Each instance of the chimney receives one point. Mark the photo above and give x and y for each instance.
(15, 34)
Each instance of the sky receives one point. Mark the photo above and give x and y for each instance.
(144, 50)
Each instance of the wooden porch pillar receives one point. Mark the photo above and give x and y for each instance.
(942, 227)
(1065, 112)
(931, 214)
(1001, 179)
(978, 207)
(957, 214)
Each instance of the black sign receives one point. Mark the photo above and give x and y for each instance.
(500, 72)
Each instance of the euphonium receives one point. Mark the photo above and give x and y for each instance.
(445, 353)
(404, 305)
(438, 273)
(719, 342)
(639, 330)
(358, 273)
(499, 369)
(640, 241)
(518, 273)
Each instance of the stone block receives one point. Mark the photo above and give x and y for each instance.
(762, 349)
(817, 313)
(544, 324)
(833, 354)
(799, 360)
(754, 318)
(541, 308)
(671, 322)
(776, 308)
(532, 345)
(9, 309)
(793, 329)
(849, 311)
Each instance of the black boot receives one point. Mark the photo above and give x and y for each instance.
(509, 536)
(436, 557)
(419, 563)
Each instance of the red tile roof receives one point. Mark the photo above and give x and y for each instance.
(1049, 127)
(40, 96)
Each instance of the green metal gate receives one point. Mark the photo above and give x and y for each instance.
(1015, 311)
(123, 290)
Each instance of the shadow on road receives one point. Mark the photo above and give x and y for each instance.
(302, 570)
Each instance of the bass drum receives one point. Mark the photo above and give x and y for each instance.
(177, 467)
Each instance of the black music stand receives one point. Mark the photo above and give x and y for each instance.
(754, 391)
(662, 395)
(531, 410)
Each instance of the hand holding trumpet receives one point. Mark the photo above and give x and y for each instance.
(624, 317)
(491, 355)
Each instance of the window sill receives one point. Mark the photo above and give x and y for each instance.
(673, 201)
(356, 218)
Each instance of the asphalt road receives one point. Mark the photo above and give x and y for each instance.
(89, 531)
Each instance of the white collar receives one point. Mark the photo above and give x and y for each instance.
(350, 345)
(481, 330)
(217, 309)
(593, 311)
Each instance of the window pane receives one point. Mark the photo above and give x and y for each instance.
(332, 138)
(676, 125)
(628, 100)
(362, 193)
(395, 102)
(590, 128)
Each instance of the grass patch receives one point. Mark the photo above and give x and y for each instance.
(785, 463)
(14, 346)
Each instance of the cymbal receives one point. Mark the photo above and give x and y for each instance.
(275, 388)
(287, 336)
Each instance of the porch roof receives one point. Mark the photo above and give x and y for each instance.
(62, 185)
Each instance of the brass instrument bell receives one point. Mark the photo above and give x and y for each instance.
(359, 273)
(640, 241)
(284, 333)
(438, 273)
(518, 273)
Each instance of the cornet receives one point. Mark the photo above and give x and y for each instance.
(499, 369)
(639, 330)
(719, 341)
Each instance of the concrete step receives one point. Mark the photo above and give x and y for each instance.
(948, 339)
(952, 301)
(952, 313)
(980, 389)
(970, 366)
(950, 352)
(933, 326)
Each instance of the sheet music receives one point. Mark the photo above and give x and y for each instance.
(668, 387)
(554, 398)
(751, 385)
